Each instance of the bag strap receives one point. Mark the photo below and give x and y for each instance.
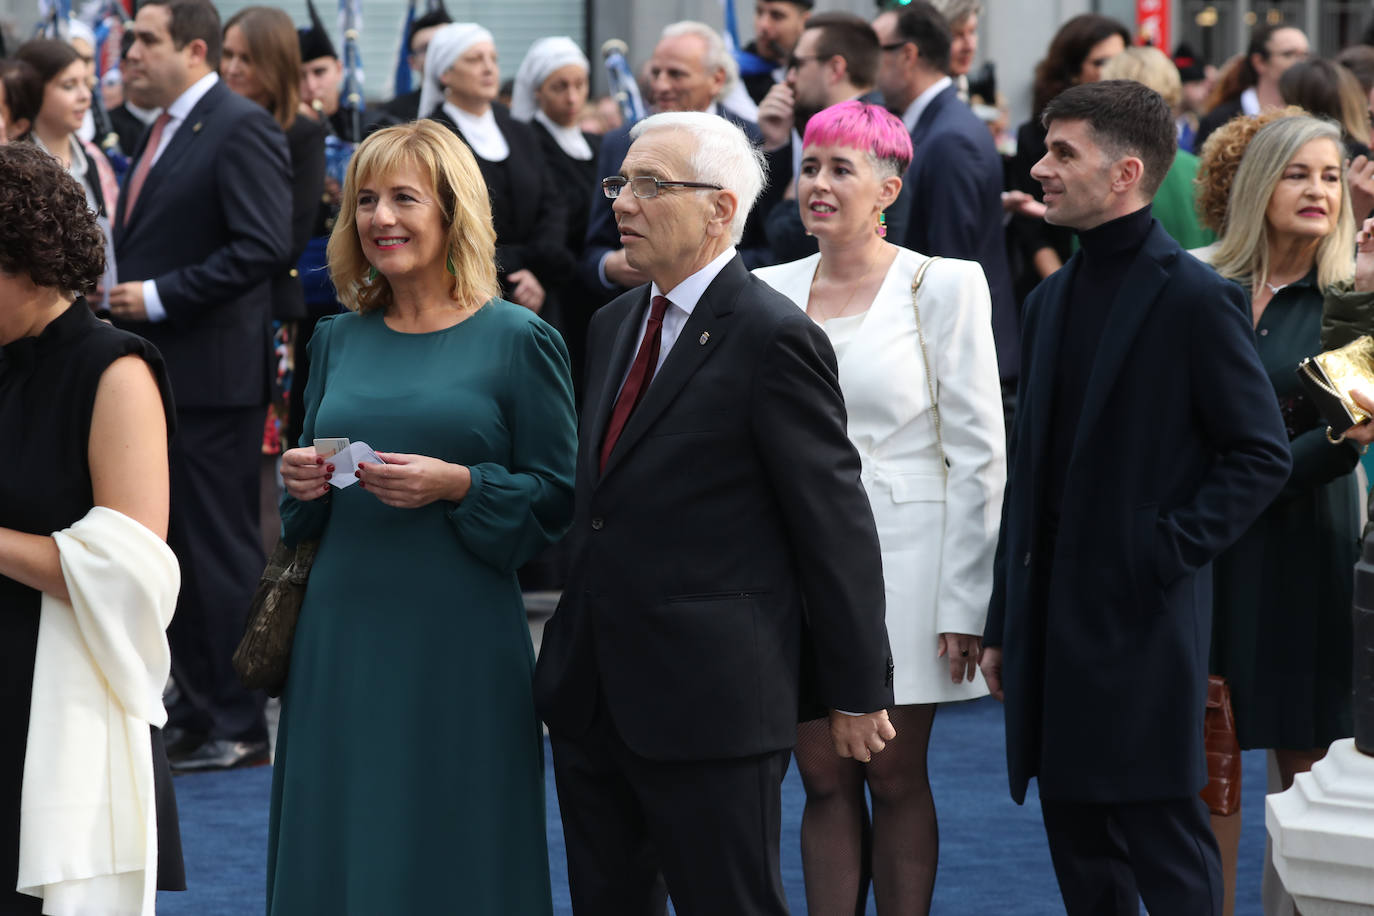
(925, 358)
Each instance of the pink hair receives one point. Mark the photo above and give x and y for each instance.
(869, 128)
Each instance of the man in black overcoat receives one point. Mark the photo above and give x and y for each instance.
(1147, 440)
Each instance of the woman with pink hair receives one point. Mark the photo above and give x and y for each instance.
(919, 376)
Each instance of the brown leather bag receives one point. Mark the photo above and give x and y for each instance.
(1222, 792)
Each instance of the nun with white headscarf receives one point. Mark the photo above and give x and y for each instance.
(550, 93)
(461, 82)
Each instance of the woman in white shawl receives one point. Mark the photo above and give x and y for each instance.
(461, 81)
(550, 94)
(87, 585)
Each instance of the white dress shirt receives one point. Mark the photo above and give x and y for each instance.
(178, 111)
(683, 299)
(922, 102)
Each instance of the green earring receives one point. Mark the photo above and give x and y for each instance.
(882, 224)
(372, 275)
(448, 262)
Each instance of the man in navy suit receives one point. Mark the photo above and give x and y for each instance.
(1147, 439)
(954, 183)
(691, 70)
(202, 228)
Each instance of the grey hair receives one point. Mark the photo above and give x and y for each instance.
(717, 57)
(956, 11)
(721, 154)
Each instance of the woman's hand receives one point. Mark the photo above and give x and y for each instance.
(1362, 433)
(305, 474)
(1364, 257)
(1359, 174)
(526, 290)
(412, 481)
(963, 651)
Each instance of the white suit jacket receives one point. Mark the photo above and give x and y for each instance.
(938, 531)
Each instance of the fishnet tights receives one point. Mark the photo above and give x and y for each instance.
(906, 838)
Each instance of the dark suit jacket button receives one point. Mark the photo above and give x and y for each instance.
(1026, 561)
(598, 524)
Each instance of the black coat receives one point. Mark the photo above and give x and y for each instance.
(535, 218)
(305, 146)
(730, 502)
(1180, 446)
(212, 227)
(954, 186)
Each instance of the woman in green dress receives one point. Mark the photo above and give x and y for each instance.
(1281, 631)
(409, 769)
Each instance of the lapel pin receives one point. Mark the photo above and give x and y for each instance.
(195, 128)
(705, 336)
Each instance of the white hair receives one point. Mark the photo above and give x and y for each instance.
(721, 154)
(717, 57)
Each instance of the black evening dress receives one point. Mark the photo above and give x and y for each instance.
(47, 393)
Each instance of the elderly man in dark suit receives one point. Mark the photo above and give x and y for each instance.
(691, 70)
(1147, 439)
(718, 515)
(954, 183)
(202, 228)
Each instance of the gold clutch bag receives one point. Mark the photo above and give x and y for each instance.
(1329, 377)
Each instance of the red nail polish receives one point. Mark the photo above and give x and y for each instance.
(330, 469)
(319, 460)
(358, 474)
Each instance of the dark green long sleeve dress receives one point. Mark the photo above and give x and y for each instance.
(1281, 628)
(409, 769)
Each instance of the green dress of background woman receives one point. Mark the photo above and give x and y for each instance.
(1281, 628)
(409, 768)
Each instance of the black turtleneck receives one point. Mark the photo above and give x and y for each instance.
(1107, 253)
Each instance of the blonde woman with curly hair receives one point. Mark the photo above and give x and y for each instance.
(408, 775)
(1281, 629)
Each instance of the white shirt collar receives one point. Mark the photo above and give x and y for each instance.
(146, 115)
(180, 108)
(922, 102)
(688, 293)
(569, 139)
(481, 131)
(1249, 102)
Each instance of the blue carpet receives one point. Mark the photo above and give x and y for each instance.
(993, 858)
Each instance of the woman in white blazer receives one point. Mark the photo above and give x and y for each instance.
(934, 472)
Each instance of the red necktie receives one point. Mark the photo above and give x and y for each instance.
(144, 164)
(641, 373)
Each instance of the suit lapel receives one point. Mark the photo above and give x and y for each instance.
(1139, 289)
(1050, 306)
(622, 351)
(701, 336)
(930, 114)
(187, 133)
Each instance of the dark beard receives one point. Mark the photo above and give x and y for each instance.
(802, 113)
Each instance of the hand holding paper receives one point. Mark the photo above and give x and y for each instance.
(412, 481)
(345, 458)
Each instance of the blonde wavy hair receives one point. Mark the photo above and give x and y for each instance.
(1150, 67)
(433, 151)
(1220, 157)
(1243, 252)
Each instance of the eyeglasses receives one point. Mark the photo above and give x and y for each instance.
(894, 46)
(646, 186)
(795, 63)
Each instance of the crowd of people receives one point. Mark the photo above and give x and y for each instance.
(821, 399)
